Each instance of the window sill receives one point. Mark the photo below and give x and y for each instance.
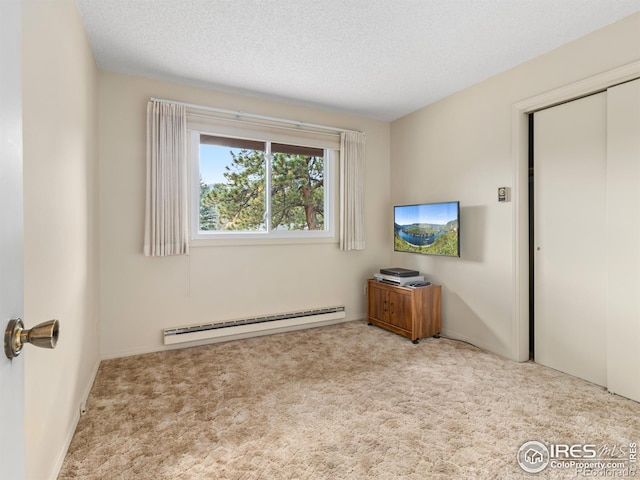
(236, 242)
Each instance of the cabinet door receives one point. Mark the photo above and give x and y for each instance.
(399, 308)
(377, 303)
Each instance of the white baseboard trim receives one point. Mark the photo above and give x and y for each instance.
(74, 423)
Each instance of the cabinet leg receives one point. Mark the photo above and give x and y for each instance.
(437, 335)
(369, 323)
(415, 342)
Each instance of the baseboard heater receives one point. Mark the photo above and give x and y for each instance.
(251, 325)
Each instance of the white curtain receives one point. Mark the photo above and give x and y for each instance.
(352, 191)
(166, 216)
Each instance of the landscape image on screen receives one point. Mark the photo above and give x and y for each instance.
(428, 228)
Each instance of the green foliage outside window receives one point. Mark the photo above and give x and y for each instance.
(239, 203)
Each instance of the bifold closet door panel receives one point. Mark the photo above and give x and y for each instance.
(623, 231)
(570, 269)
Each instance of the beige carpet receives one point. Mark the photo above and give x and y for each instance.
(348, 401)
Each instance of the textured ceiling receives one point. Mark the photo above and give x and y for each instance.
(375, 58)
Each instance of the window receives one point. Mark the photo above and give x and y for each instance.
(249, 188)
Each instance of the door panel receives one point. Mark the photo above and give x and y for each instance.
(400, 310)
(377, 303)
(570, 237)
(11, 276)
(623, 214)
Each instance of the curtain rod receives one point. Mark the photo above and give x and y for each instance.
(254, 116)
(290, 128)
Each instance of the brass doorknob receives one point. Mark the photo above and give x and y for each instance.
(44, 335)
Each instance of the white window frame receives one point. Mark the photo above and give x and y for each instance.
(203, 238)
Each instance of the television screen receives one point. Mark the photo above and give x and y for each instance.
(429, 228)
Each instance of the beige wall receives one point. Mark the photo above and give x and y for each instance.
(460, 148)
(60, 225)
(140, 296)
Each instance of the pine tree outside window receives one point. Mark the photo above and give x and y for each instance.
(258, 188)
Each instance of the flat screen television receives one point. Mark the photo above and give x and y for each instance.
(427, 228)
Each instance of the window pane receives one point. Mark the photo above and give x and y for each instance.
(232, 186)
(297, 190)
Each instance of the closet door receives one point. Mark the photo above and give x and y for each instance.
(570, 148)
(623, 205)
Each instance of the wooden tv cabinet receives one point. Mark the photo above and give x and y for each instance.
(412, 312)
